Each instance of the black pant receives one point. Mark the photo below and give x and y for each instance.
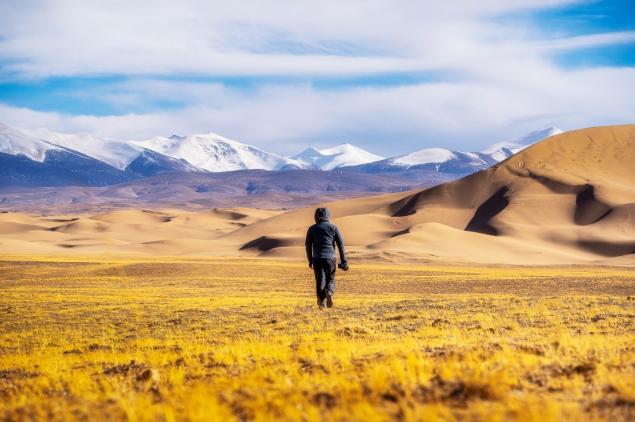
(324, 269)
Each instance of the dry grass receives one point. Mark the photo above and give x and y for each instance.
(242, 339)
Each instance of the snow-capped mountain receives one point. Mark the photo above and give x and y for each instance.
(424, 156)
(342, 155)
(14, 141)
(421, 164)
(45, 158)
(115, 153)
(503, 150)
(27, 160)
(437, 164)
(212, 152)
(149, 163)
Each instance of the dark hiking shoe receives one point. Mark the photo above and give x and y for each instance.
(329, 301)
(322, 303)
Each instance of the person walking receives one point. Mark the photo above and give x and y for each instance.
(321, 239)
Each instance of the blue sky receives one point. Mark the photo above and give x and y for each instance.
(391, 77)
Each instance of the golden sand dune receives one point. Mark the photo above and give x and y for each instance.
(130, 231)
(570, 198)
(567, 199)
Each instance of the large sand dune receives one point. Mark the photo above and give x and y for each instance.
(570, 198)
(567, 199)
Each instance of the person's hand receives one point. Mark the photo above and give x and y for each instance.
(311, 264)
(343, 265)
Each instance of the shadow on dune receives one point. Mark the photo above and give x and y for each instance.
(588, 209)
(608, 249)
(496, 203)
(266, 243)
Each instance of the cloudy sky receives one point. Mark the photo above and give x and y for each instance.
(389, 76)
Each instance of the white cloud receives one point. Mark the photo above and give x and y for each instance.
(465, 114)
(72, 37)
(507, 80)
(586, 41)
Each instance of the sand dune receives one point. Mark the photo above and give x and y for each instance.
(570, 198)
(129, 231)
(567, 199)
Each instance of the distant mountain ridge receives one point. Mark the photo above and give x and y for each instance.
(343, 155)
(45, 158)
(215, 153)
(420, 164)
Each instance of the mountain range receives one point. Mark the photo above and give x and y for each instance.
(46, 158)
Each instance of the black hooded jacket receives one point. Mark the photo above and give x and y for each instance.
(322, 237)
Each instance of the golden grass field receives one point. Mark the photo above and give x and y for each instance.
(221, 339)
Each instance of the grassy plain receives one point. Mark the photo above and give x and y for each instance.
(183, 339)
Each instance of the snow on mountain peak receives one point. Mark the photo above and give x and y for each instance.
(516, 145)
(16, 141)
(116, 153)
(338, 156)
(424, 156)
(310, 158)
(214, 153)
(539, 135)
(340, 149)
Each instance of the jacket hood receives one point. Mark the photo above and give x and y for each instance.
(322, 214)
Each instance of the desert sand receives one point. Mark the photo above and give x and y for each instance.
(568, 199)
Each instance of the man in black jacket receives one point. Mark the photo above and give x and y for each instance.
(321, 239)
